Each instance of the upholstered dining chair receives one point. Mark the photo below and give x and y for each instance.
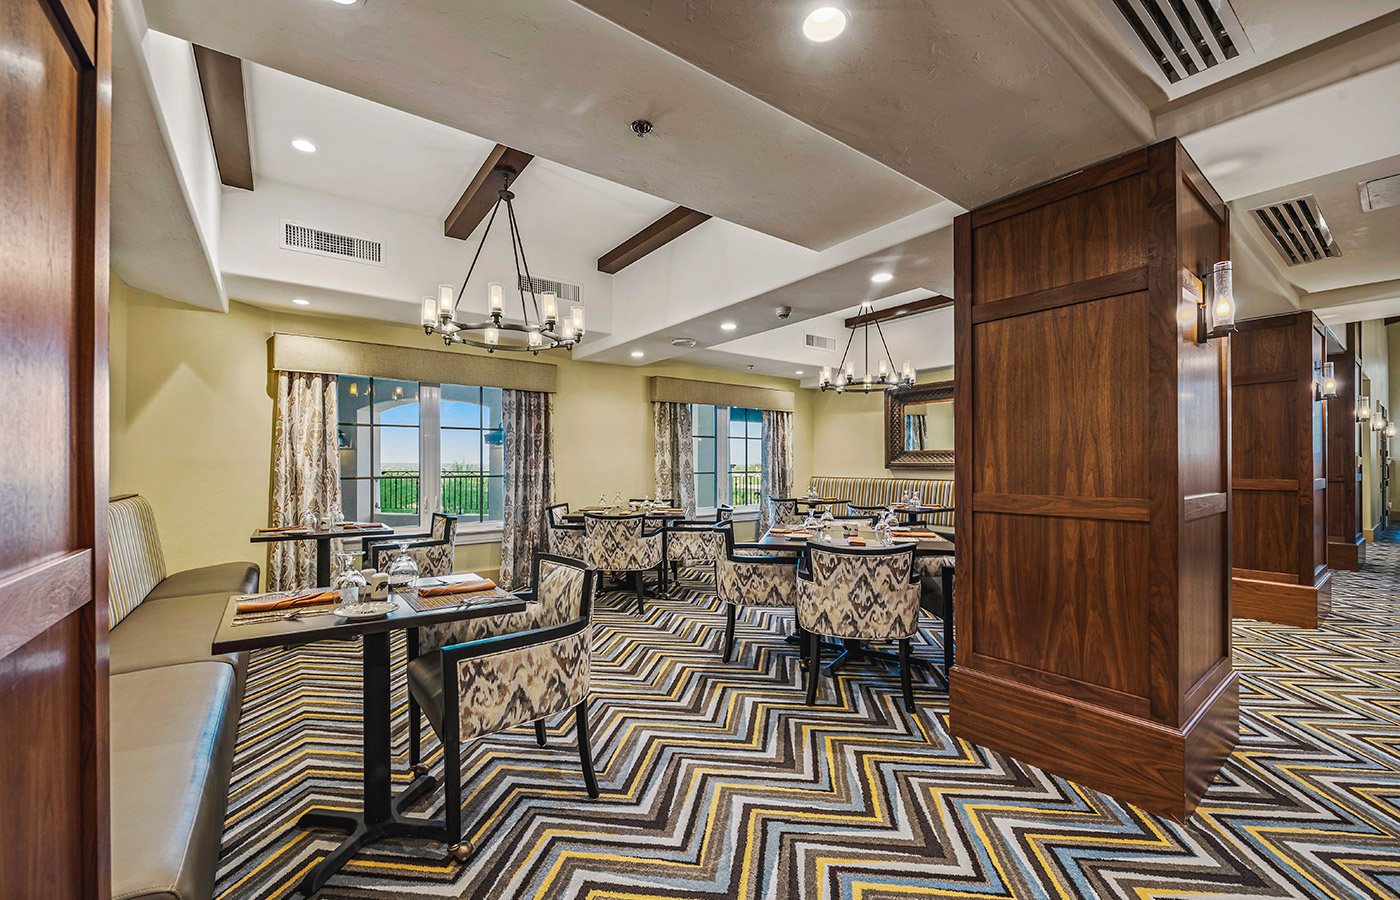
(862, 594)
(624, 544)
(746, 577)
(433, 549)
(565, 538)
(691, 542)
(489, 680)
(783, 513)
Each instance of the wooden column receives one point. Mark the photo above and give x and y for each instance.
(1346, 545)
(1092, 468)
(1280, 470)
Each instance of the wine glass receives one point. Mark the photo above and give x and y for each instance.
(403, 571)
(309, 520)
(349, 579)
(828, 521)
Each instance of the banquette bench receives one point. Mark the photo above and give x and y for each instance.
(174, 711)
(884, 491)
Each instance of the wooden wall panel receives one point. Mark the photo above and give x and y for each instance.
(1346, 544)
(1093, 455)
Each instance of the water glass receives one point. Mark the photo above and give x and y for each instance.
(349, 581)
(309, 520)
(403, 571)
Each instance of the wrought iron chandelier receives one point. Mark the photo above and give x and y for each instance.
(545, 330)
(882, 379)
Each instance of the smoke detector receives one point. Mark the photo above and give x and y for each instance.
(683, 342)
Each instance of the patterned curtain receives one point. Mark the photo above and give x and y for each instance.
(915, 432)
(305, 470)
(777, 461)
(675, 453)
(528, 420)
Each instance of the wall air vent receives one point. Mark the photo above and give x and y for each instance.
(1380, 193)
(565, 291)
(1179, 38)
(820, 342)
(1297, 230)
(305, 239)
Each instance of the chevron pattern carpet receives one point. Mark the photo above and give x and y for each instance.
(717, 782)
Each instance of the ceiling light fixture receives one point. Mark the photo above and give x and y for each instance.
(881, 277)
(799, 372)
(300, 301)
(637, 354)
(346, 2)
(546, 329)
(728, 326)
(824, 24)
(882, 378)
(303, 145)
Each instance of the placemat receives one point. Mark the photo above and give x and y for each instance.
(424, 604)
(302, 612)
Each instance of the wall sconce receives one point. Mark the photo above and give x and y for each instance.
(1378, 422)
(1390, 430)
(1328, 387)
(1219, 319)
(1363, 410)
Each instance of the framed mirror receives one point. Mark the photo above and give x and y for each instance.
(919, 427)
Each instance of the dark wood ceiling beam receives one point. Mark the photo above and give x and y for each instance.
(221, 82)
(658, 234)
(900, 312)
(483, 192)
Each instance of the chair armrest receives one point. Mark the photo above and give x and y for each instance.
(787, 559)
(455, 653)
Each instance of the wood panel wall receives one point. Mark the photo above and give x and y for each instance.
(1092, 471)
(1346, 544)
(1280, 470)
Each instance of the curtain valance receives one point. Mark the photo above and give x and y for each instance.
(683, 390)
(304, 353)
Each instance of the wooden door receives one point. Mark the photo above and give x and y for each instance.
(55, 90)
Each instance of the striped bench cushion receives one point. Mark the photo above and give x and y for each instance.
(135, 563)
(884, 491)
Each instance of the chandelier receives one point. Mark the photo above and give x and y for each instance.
(879, 380)
(546, 329)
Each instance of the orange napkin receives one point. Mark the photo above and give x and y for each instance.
(467, 587)
(281, 528)
(917, 534)
(349, 525)
(788, 530)
(272, 605)
(856, 541)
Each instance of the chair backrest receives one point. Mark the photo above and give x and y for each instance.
(444, 527)
(554, 515)
(693, 540)
(135, 563)
(724, 513)
(782, 513)
(753, 580)
(860, 592)
(618, 543)
(563, 590)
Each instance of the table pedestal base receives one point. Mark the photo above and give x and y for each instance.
(362, 832)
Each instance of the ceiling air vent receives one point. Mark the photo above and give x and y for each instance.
(565, 291)
(1180, 38)
(820, 342)
(1380, 193)
(305, 239)
(1297, 230)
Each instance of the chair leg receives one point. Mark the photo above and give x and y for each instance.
(729, 615)
(452, 778)
(540, 737)
(904, 680)
(585, 751)
(640, 584)
(814, 666)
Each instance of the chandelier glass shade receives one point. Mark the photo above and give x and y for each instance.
(881, 378)
(541, 325)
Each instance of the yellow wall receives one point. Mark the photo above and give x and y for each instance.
(848, 436)
(192, 406)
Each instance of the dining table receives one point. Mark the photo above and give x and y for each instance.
(910, 514)
(323, 538)
(382, 815)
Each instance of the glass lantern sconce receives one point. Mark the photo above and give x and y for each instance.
(1363, 410)
(1378, 421)
(1215, 314)
(1327, 385)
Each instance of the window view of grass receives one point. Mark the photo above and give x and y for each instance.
(744, 483)
(464, 491)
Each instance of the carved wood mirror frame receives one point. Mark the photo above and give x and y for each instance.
(896, 457)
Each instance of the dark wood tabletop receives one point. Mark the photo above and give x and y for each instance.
(296, 534)
(923, 546)
(328, 626)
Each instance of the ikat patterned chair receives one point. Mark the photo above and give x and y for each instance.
(490, 683)
(858, 593)
(692, 542)
(623, 544)
(565, 538)
(745, 578)
(783, 513)
(434, 550)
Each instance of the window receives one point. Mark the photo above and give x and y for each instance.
(728, 455)
(408, 450)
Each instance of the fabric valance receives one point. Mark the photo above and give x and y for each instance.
(304, 353)
(683, 390)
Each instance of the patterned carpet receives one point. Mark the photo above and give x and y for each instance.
(717, 782)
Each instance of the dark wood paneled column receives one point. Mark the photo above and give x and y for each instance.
(1346, 545)
(1092, 468)
(1280, 470)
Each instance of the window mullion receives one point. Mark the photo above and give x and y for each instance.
(429, 452)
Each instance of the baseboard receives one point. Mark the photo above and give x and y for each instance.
(1345, 555)
(1160, 768)
(1299, 605)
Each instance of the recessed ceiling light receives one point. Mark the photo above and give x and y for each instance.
(304, 145)
(800, 372)
(881, 277)
(637, 354)
(300, 302)
(728, 326)
(347, 2)
(821, 25)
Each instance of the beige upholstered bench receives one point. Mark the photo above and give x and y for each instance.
(884, 491)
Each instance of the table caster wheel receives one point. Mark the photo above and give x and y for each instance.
(460, 852)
